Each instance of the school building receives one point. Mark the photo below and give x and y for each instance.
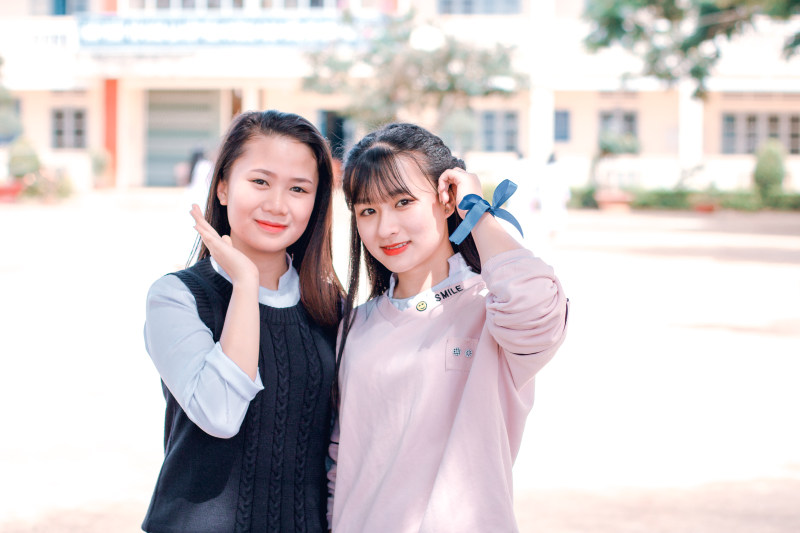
(148, 81)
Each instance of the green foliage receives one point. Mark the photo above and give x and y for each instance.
(740, 200)
(787, 201)
(384, 72)
(10, 125)
(583, 198)
(684, 199)
(100, 161)
(769, 171)
(661, 199)
(610, 143)
(47, 185)
(679, 39)
(22, 158)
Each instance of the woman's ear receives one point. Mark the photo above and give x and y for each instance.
(222, 192)
(450, 204)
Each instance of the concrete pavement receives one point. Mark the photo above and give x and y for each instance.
(672, 406)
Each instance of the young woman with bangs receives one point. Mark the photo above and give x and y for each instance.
(436, 370)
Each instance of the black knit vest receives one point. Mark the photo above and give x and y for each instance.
(270, 477)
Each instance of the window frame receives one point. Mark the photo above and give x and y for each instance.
(72, 133)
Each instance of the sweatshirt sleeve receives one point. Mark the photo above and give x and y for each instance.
(526, 310)
(211, 389)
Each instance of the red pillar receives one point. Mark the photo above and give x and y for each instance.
(110, 144)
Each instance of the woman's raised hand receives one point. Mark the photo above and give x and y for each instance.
(462, 183)
(238, 266)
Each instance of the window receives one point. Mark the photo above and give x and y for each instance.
(69, 128)
(69, 7)
(473, 7)
(744, 133)
(728, 134)
(499, 131)
(561, 132)
(774, 127)
(619, 122)
(629, 124)
(751, 135)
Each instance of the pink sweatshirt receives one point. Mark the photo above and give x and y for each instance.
(435, 397)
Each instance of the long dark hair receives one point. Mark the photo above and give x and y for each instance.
(312, 256)
(371, 172)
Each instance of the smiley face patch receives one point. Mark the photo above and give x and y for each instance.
(421, 306)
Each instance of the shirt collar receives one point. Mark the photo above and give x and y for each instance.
(288, 293)
(459, 271)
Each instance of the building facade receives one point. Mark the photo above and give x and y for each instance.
(143, 83)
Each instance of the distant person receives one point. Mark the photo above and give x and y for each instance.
(201, 170)
(541, 204)
(437, 368)
(554, 195)
(244, 341)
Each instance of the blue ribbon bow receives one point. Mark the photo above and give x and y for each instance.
(475, 206)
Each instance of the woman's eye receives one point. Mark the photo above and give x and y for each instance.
(404, 202)
(259, 181)
(297, 189)
(366, 212)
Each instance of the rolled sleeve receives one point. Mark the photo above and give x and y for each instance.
(526, 309)
(213, 391)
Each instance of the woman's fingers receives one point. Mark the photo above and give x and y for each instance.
(463, 182)
(207, 233)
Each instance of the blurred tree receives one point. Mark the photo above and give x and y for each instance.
(680, 38)
(395, 65)
(10, 125)
(769, 171)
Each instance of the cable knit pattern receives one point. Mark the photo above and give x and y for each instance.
(309, 405)
(269, 477)
(244, 512)
(279, 432)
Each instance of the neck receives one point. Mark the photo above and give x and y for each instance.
(415, 281)
(270, 269)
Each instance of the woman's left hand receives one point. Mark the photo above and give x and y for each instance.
(459, 183)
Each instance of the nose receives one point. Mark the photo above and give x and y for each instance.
(387, 224)
(274, 202)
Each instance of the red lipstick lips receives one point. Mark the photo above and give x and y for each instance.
(395, 249)
(271, 227)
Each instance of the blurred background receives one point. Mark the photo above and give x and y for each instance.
(656, 146)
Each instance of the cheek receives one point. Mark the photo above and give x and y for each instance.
(433, 223)
(305, 209)
(366, 230)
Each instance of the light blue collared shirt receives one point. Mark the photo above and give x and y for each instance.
(213, 391)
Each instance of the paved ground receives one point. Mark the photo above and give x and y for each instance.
(672, 407)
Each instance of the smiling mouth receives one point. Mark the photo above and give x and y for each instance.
(271, 226)
(394, 249)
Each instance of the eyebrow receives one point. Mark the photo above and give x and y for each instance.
(293, 178)
(389, 195)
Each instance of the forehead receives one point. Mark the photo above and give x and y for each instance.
(383, 176)
(279, 154)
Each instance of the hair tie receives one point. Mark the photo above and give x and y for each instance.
(475, 206)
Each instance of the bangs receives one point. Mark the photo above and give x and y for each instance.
(375, 177)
